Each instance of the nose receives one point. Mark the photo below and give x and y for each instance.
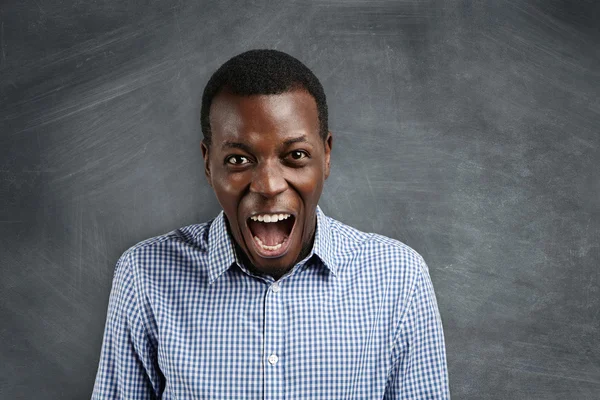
(268, 180)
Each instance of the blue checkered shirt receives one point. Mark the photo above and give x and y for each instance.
(356, 319)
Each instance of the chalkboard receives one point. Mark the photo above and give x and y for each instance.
(468, 130)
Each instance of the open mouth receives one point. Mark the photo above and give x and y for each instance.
(271, 233)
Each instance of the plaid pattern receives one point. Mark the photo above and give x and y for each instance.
(356, 319)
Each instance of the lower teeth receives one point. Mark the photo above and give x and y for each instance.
(267, 247)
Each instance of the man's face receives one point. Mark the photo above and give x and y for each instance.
(268, 159)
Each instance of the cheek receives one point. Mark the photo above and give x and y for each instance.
(229, 187)
(310, 184)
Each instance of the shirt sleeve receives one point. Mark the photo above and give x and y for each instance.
(419, 370)
(128, 368)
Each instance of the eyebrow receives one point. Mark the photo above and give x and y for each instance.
(237, 145)
(298, 139)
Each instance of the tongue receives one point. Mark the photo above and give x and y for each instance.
(271, 233)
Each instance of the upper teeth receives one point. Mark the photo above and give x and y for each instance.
(269, 217)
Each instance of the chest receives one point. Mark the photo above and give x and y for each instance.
(250, 339)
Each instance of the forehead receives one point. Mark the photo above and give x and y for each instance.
(278, 115)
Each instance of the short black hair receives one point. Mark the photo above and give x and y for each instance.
(263, 71)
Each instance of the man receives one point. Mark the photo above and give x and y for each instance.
(271, 299)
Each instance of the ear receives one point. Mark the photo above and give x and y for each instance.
(328, 143)
(205, 154)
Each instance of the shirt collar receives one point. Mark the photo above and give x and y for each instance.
(221, 249)
(323, 247)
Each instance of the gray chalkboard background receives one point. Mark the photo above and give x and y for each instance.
(467, 130)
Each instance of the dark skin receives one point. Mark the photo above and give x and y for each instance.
(267, 156)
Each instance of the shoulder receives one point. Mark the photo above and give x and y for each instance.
(376, 255)
(381, 267)
(188, 240)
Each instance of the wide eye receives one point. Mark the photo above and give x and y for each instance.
(236, 160)
(298, 154)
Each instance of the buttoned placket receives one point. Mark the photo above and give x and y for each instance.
(274, 328)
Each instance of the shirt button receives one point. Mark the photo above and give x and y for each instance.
(273, 359)
(275, 287)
